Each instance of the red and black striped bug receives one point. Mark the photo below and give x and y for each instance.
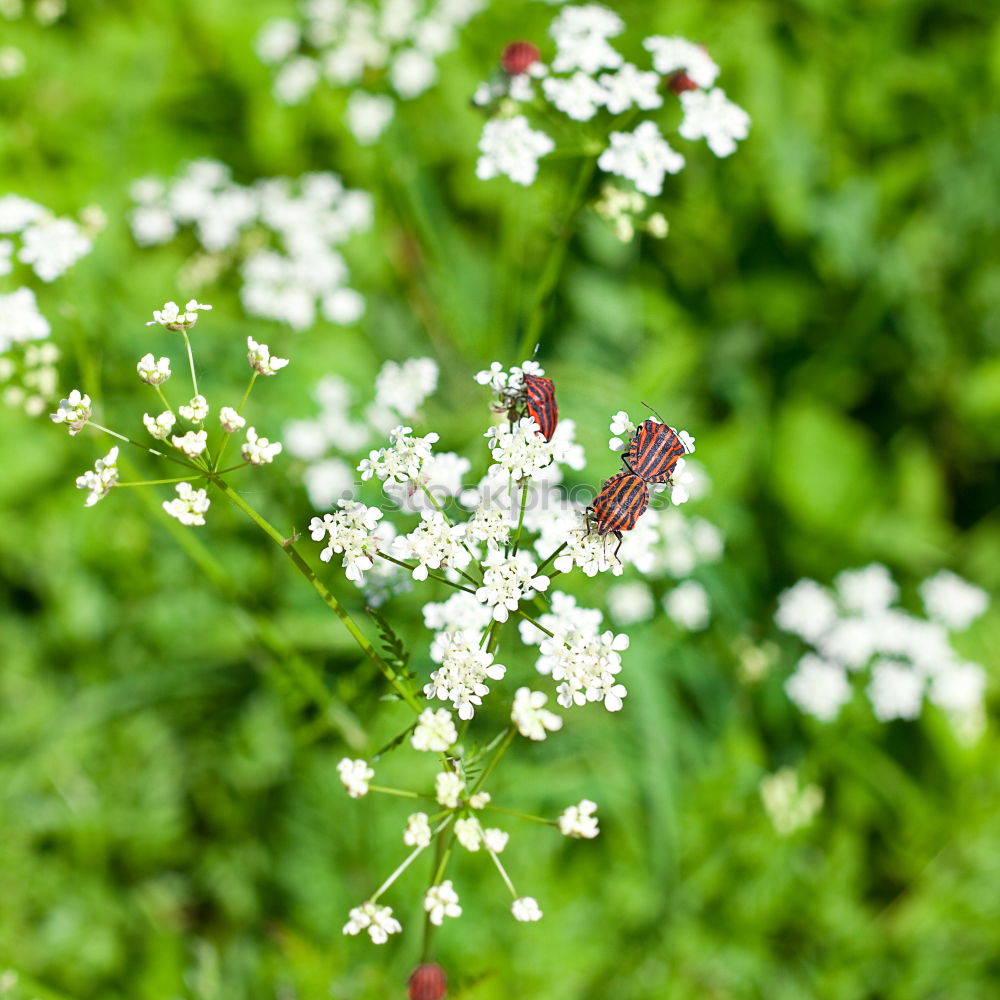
(622, 501)
(654, 451)
(540, 403)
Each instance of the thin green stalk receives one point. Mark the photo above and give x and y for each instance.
(442, 856)
(549, 274)
(190, 354)
(550, 557)
(521, 815)
(501, 750)
(227, 436)
(138, 444)
(328, 599)
(157, 482)
(520, 519)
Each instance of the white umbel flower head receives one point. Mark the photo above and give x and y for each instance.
(579, 821)
(259, 450)
(196, 410)
(377, 920)
(896, 691)
(260, 360)
(74, 411)
(687, 606)
(520, 450)
(448, 788)
(193, 443)
(952, 601)
(818, 688)
(52, 246)
(189, 506)
(441, 901)
(20, 319)
(672, 55)
(588, 550)
(511, 147)
(434, 544)
(161, 425)
(403, 387)
(172, 317)
(805, 610)
(642, 156)
(507, 580)
(629, 86)
(586, 667)
(418, 830)
(581, 35)
(868, 590)
(403, 460)
(713, 117)
(465, 667)
(526, 909)
(532, 718)
(100, 479)
(435, 731)
(355, 776)
(153, 372)
(349, 531)
(578, 96)
(230, 420)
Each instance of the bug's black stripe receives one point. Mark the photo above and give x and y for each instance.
(620, 504)
(541, 403)
(654, 452)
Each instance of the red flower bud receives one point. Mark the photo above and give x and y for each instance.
(428, 982)
(680, 82)
(519, 57)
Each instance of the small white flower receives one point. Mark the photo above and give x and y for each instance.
(193, 443)
(435, 731)
(630, 602)
(20, 319)
(623, 429)
(277, 40)
(586, 665)
(448, 788)
(642, 156)
(588, 550)
(159, 426)
(805, 610)
(818, 688)
(403, 460)
(508, 580)
(713, 117)
(495, 840)
(673, 54)
(581, 35)
(480, 800)
(355, 776)
(260, 359)
(230, 420)
(418, 830)
(100, 479)
(189, 506)
(531, 717)
(959, 689)
(789, 807)
(441, 901)
(520, 450)
(579, 821)
(866, 590)
(295, 80)
(629, 86)
(578, 96)
(469, 834)
(74, 411)
(526, 909)
(434, 544)
(465, 667)
(153, 372)
(510, 146)
(404, 387)
(952, 601)
(17, 212)
(491, 525)
(350, 531)
(377, 920)
(896, 691)
(368, 115)
(259, 450)
(52, 246)
(196, 410)
(173, 317)
(687, 606)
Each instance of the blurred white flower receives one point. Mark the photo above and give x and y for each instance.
(687, 605)
(713, 117)
(526, 909)
(579, 821)
(642, 156)
(529, 714)
(355, 776)
(511, 147)
(818, 688)
(441, 901)
(435, 731)
(378, 921)
(952, 601)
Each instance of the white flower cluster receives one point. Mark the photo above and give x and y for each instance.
(348, 532)
(29, 381)
(403, 460)
(99, 481)
(588, 76)
(789, 805)
(465, 668)
(284, 232)
(857, 627)
(50, 245)
(344, 43)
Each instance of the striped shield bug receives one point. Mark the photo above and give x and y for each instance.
(622, 501)
(540, 403)
(654, 451)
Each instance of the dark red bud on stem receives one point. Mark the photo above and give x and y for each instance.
(428, 982)
(519, 57)
(680, 82)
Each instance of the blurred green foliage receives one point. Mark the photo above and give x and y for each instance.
(825, 316)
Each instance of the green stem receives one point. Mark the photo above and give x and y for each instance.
(550, 557)
(553, 262)
(501, 750)
(520, 815)
(163, 399)
(328, 599)
(157, 482)
(190, 354)
(146, 448)
(401, 792)
(227, 436)
(520, 520)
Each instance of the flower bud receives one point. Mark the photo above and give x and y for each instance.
(680, 82)
(519, 57)
(428, 982)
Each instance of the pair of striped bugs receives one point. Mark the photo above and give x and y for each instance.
(651, 457)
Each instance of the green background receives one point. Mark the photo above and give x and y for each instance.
(824, 316)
